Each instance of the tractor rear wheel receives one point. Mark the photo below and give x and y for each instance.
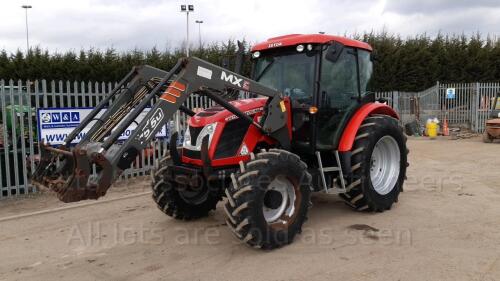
(181, 202)
(268, 199)
(379, 161)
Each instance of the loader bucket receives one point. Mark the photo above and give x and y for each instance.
(69, 173)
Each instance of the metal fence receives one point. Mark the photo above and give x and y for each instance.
(468, 108)
(20, 100)
(472, 104)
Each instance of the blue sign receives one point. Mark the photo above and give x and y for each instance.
(65, 116)
(450, 93)
(54, 124)
(75, 117)
(60, 118)
(56, 117)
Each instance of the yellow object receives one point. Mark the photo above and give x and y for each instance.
(493, 102)
(432, 129)
(313, 110)
(282, 105)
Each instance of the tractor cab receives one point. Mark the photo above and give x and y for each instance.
(325, 77)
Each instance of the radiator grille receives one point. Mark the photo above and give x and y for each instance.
(231, 138)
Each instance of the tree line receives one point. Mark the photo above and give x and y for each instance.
(406, 64)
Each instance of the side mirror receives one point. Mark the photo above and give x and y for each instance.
(374, 56)
(334, 51)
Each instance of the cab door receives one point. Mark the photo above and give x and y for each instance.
(338, 92)
(295, 75)
(302, 120)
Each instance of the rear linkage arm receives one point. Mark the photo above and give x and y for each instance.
(71, 177)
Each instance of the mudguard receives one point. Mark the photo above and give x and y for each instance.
(347, 139)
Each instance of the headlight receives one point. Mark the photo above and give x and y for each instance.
(208, 130)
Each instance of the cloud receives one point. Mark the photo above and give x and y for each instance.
(438, 6)
(60, 25)
(448, 17)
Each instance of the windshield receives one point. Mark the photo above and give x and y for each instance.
(291, 73)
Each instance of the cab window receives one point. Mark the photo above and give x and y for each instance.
(339, 80)
(290, 73)
(365, 70)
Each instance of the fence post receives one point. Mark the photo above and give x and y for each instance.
(31, 128)
(5, 142)
(478, 106)
(22, 133)
(13, 132)
(395, 101)
(44, 93)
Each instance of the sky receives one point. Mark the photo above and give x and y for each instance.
(61, 25)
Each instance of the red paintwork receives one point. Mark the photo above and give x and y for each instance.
(243, 105)
(295, 39)
(251, 139)
(217, 162)
(347, 139)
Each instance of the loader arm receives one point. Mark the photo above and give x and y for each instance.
(68, 171)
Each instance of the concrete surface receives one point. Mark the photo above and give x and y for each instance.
(446, 226)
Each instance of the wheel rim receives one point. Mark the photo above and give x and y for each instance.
(193, 195)
(282, 189)
(385, 165)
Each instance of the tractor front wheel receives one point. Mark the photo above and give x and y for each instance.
(379, 161)
(268, 199)
(181, 202)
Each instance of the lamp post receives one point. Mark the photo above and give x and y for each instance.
(26, 7)
(199, 22)
(186, 9)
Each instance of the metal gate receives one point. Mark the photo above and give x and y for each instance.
(469, 106)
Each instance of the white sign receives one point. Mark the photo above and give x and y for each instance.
(204, 72)
(450, 93)
(55, 124)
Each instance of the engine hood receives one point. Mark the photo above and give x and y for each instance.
(220, 114)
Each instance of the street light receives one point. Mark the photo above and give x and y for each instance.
(199, 22)
(186, 9)
(26, 7)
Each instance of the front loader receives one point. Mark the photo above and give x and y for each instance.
(310, 125)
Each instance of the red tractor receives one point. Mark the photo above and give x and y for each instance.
(311, 125)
